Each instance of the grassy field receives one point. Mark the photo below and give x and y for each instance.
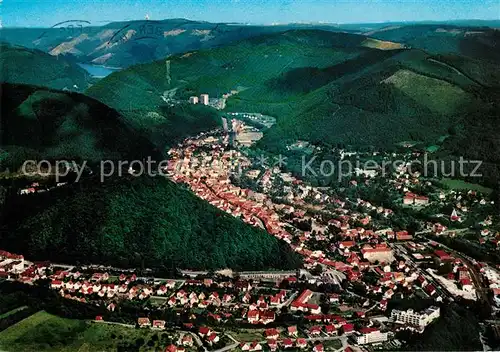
(249, 335)
(45, 332)
(462, 185)
(332, 345)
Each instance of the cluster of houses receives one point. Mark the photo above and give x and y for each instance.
(361, 246)
(35, 187)
(347, 242)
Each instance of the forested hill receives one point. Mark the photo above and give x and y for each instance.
(479, 42)
(321, 86)
(30, 66)
(134, 222)
(38, 123)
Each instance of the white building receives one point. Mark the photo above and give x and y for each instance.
(193, 100)
(409, 316)
(370, 335)
(204, 99)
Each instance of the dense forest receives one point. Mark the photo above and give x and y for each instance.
(39, 123)
(136, 222)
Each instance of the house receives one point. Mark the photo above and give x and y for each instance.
(253, 316)
(272, 334)
(348, 328)
(187, 340)
(442, 255)
(466, 285)
(159, 324)
(370, 335)
(454, 216)
(98, 318)
(212, 338)
(111, 307)
(255, 346)
(171, 348)
(299, 303)
(287, 343)
(275, 300)
(315, 331)
(215, 317)
(403, 236)
(143, 322)
(245, 346)
(301, 343)
(246, 298)
(314, 308)
(273, 345)
(55, 284)
(292, 331)
(421, 200)
(347, 244)
(161, 290)
(318, 348)
(172, 301)
(204, 331)
(331, 329)
(422, 281)
(267, 317)
(334, 298)
(227, 298)
(430, 289)
(359, 314)
(100, 276)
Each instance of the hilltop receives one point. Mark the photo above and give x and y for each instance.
(21, 65)
(39, 123)
(136, 222)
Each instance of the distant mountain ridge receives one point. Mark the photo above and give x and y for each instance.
(475, 42)
(122, 44)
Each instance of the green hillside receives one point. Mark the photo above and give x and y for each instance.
(321, 86)
(28, 66)
(39, 123)
(472, 41)
(134, 222)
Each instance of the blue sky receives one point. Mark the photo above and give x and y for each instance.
(45, 13)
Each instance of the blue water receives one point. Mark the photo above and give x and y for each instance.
(98, 71)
